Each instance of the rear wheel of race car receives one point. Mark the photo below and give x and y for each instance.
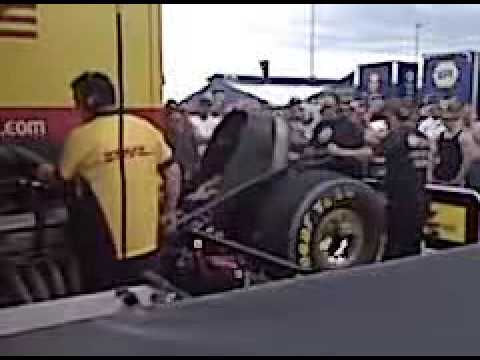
(321, 220)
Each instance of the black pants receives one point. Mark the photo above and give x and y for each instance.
(92, 243)
(473, 176)
(405, 219)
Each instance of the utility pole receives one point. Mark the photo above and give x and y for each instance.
(312, 41)
(417, 34)
(417, 50)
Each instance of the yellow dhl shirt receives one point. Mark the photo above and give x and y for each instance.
(92, 152)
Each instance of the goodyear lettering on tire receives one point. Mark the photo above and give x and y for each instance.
(338, 197)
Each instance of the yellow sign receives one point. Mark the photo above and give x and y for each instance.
(450, 221)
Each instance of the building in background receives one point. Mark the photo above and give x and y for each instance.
(226, 91)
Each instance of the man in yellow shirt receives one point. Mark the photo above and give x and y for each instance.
(91, 153)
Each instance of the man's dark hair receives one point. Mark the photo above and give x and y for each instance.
(94, 89)
(403, 110)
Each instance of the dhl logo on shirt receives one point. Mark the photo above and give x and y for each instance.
(128, 153)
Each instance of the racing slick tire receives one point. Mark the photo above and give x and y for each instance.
(321, 220)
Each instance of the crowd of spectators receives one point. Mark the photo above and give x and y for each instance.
(354, 133)
(353, 128)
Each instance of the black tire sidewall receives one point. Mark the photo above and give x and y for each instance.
(284, 205)
(365, 203)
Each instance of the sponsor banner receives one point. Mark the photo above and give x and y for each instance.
(450, 221)
(407, 80)
(376, 80)
(449, 75)
(453, 216)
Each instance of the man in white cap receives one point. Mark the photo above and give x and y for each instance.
(204, 123)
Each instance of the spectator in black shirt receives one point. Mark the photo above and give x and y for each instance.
(343, 139)
(407, 156)
(450, 145)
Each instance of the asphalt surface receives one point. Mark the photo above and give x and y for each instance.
(426, 305)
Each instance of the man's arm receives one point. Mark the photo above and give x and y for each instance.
(322, 135)
(311, 151)
(172, 174)
(47, 172)
(78, 149)
(173, 181)
(435, 158)
(432, 154)
(363, 153)
(467, 146)
(75, 151)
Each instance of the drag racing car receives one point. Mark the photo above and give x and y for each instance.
(274, 217)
